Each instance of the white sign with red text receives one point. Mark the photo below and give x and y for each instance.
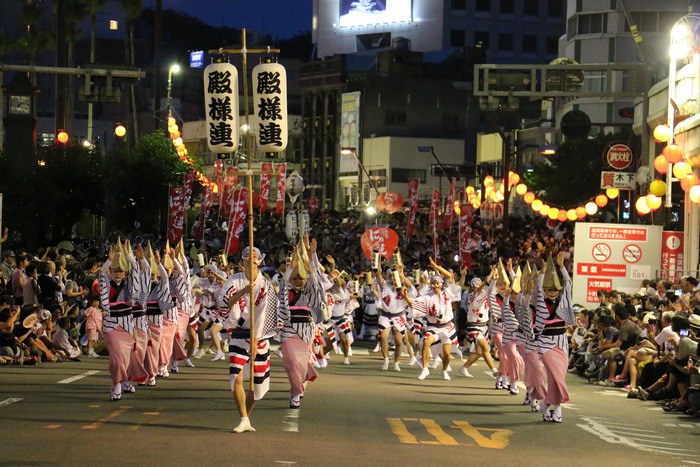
(672, 255)
(613, 257)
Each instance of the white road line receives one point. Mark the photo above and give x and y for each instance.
(655, 409)
(291, 421)
(625, 426)
(9, 401)
(632, 435)
(569, 406)
(611, 393)
(77, 377)
(691, 462)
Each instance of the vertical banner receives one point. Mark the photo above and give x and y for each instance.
(218, 167)
(465, 234)
(221, 107)
(350, 132)
(227, 195)
(270, 106)
(412, 206)
(265, 185)
(176, 213)
(207, 200)
(281, 185)
(313, 204)
(434, 207)
(237, 220)
(671, 255)
(449, 208)
(188, 184)
(436, 243)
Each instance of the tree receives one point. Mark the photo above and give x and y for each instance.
(35, 40)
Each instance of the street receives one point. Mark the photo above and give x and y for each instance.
(352, 415)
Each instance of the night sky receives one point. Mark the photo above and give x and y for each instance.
(282, 18)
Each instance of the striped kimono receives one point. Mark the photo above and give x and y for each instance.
(157, 300)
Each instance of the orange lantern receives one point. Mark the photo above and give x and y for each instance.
(469, 190)
(521, 189)
(488, 180)
(642, 206)
(544, 209)
(681, 169)
(175, 135)
(612, 193)
(171, 121)
(120, 130)
(661, 164)
(502, 187)
(580, 212)
(673, 153)
(571, 214)
(536, 204)
(601, 201)
(688, 182)
(653, 201)
(591, 208)
(529, 197)
(173, 128)
(561, 216)
(658, 187)
(663, 133)
(513, 178)
(553, 213)
(694, 194)
(498, 196)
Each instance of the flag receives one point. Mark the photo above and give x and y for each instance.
(207, 201)
(412, 206)
(465, 234)
(281, 182)
(449, 209)
(434, 206)
(265, 185)
(237, 220)
(176, 213)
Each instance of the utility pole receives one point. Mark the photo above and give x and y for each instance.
(61, 80)
(156, 84)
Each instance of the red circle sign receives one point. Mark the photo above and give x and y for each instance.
(632, 253)
(619, 156)
(601, 252)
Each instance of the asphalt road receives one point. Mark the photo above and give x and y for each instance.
(352, 415)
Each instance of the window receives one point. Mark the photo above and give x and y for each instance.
(392, 117)
(555, 8)
(459, 4)
(507, 6)
(531, 8)
(483, 5)
(529, 43)
(552, 45)
(483, 38)
(457, 38)
(403, 175)
(505, 41)
(594, 23)
(451, 121)
(379, 177)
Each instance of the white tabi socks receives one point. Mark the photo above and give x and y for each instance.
(385, 364)
(244, 426)
(424, 373)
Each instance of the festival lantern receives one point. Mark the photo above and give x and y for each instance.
(502, 187)
(553, 213)
(544, 209)
(488, 181)
(270, 104)
(694, 194)
(536, 204)
(663, 133)
(657, 187)
(120, 130)
(513, 178)
(171, 121)
(673, 153)
(591, 208)
(469, 190)
(601, 201)
(498, 196)
(571, 215)
(681, 169)
(529, 197)
(221, 98)
(688, 182)
(642, 206)
(173, 128)
(562, 215)
(653, 201)
(580, 212)
(612, 193)
(661, 164)
(521, 189)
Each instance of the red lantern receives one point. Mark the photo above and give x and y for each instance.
(688, 182)
(529, 197)
(389, 201)
(562, 215)
(381, 240)
(580, 212)
(673, 153)
(661, 164)
(601, 201)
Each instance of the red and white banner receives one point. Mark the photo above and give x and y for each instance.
(593, 285)
(218, 174)
(466, 213)
(434, 207)
(188, 184)
(265, 185)
(176, 213)
(227, 196)
(412, 206)
(207, 200)
(313, 204)
(449, 209)
(672, 255)
(281, 185)
(237, 220)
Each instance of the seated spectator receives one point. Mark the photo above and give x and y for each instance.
(62, 341)
(614, 352)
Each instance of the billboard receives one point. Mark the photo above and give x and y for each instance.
(350, 131)
(613, 257)
(366, 12)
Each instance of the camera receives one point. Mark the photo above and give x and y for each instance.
(679, 292)
(683, 332)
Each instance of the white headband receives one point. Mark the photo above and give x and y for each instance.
(246, 255)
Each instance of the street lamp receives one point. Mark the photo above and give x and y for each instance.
(174, 68)
(353, 151)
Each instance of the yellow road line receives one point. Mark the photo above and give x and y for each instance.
(100, 422)
(437, 431)
(400, 430)
(498, 440)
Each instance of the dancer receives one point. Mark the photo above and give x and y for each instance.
(477, 327)
(370, 316)
(338, 299)
(183, 294)
(207, 289)
(142, 274)
(300, 310)
(552, 318)
(513, 360)
(496, 296)
(436, 307)
(157, 301)
(235, 295)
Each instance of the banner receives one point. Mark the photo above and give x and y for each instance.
(465, 234)
(672, 263)
(281, 182)
(436, 243)
(176, 213)
(218, 167)
(227, 195)
(237, 220)
(313, 204)
(449, 209)
(207, 200)
(434, 207)
(412, 206)
(350, 132)
(188, 184)
(265, 185)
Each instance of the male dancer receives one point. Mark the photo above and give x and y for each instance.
(477, 327)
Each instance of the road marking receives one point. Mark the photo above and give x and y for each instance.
(94, 406)
(499, 438)
(290, 422)
(77, 377)
(285, 462)
(400, 430)
(9, 401)
(100, 422)
(655, 409)
(570, 406)
(621, 431)
(439, 434)
(53, 426)
(151, 413)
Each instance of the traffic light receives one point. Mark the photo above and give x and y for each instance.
(62, 136)
(119, 130)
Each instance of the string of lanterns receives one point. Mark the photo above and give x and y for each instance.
(671, 155)
(181, 151)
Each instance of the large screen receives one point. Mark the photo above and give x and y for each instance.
(366, 12)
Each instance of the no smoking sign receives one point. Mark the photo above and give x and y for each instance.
(632, 253)
(601, 252)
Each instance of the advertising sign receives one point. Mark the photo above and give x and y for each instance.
(350, 131)
(197, 59)
(619, 180)
(367, 12)
(613, 257)
(672, 255)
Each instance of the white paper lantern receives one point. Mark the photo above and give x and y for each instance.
(221, 107)
(270, 107)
